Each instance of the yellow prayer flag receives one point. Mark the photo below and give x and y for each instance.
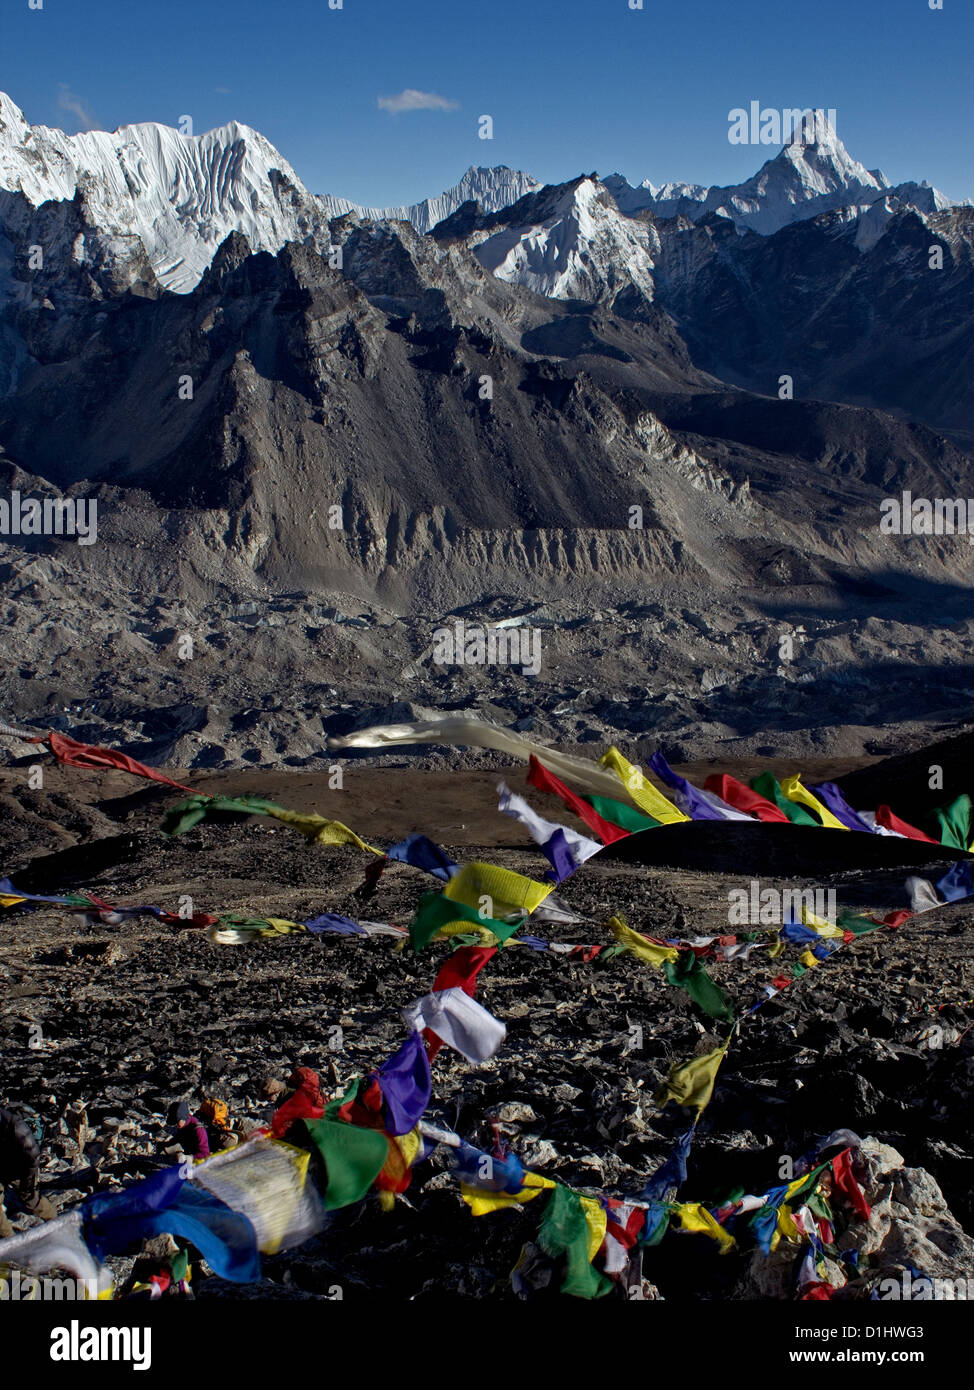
(319, 831)
(641, 789)
(822, 925)
(596, 1220)
(692, 1083)
(282, 926)
(693, 1216)
(638, 945)
(786, 1227)
(507, 891)
(481, 1201)
(462, 927)
(794, 791)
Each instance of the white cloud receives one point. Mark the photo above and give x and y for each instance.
(411, 100)
(70, 101)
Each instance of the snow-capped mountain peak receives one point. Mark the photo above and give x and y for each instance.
(493, 189)
(570, 241)
(181, 195)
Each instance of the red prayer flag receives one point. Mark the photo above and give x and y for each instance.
(743, 798)
(847, 1185)
(885, 818)
(545, 781)
(74, 754)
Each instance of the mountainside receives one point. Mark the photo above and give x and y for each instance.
(868, 321)
(320, 450)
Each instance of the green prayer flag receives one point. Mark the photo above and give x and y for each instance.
(436, 911)
(954, 823)
(350, 1093)
(859, 926)
(767, 786)
(688, 972)
(182, 817)
(564, 1231)
(353, 1157)
(618, 813)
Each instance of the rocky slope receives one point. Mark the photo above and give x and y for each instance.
(134, 1016)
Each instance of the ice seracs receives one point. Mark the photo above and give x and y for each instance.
(180, 194)
(493, 189)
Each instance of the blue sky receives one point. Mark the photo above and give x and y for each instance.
(572, 85)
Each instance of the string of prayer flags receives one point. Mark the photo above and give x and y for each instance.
(545, 781)
(743, 798)
(641, 789)
(699, 805)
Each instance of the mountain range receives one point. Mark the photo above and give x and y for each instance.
(512, 394)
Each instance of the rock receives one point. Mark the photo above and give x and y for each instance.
(512, 1112)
